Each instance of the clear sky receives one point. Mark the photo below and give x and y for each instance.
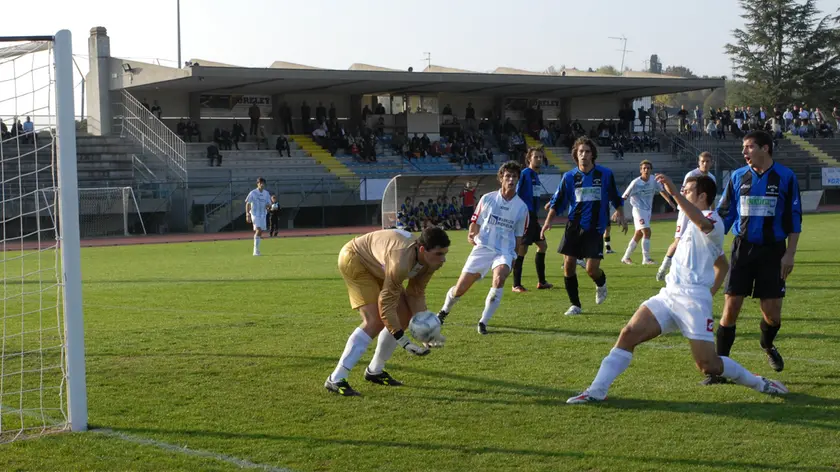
(477, 35)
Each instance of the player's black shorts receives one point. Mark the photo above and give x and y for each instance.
(755, 270)
(582, 244)
(532, 232)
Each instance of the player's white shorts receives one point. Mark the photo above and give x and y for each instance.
(482, 259)
(259, 222)
(641, 219)
(689, 311)
(682, 222)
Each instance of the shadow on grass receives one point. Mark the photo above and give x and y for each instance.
(424, 445)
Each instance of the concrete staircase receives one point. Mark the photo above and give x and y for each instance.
(818, 148)
(563, 163)
(323, 157)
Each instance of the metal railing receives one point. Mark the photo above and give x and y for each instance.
(141, 168)
(147, 130)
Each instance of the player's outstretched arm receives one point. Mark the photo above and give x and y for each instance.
(721, 269)
(389, 299)
(692, 212)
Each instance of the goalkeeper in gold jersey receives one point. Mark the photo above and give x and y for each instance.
(374, 267)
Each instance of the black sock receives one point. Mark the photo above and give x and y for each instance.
(539, 259)
(572, 290)
(517, 271)
(600, 281)
(607, 241)
(724, 339)
(768, 334)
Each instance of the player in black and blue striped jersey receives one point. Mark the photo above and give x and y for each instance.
(762, 207)
(528, 189)
(586, 191)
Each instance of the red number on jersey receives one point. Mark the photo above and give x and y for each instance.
(678, 228)
(641, 221)
(710, 325)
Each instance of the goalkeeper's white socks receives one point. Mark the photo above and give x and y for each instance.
(384, 350)
(451, 300)
(491, 303)
(612, 366)
(256, 245)
(356, 345)
(645, 249)
(631, 246)
(741, 376)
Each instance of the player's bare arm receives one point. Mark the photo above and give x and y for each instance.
(248, 212)
(389, 299)
(790, 253)
(547, 224)
(692, 212)
(618, 217)
(473, 232)
(721, 269)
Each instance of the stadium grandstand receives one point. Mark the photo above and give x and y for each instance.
(190, 141)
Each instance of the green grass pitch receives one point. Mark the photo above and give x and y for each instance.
(204, 347)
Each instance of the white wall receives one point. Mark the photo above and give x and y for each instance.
(594, 107)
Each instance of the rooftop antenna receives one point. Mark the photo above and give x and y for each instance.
(429, 60)
(623, 50)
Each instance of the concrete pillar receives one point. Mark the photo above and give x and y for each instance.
(195, 106)
(97, 83)
(355, 112)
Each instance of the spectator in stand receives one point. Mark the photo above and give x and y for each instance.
(698, 116)
(283, 144)
(221, 140)
(28, 131)
(447, 110)
(145, 104)
(663, 118)
(333, 114)
(4, 131)
(836, 115)
(238, 133)
(320, 114)
(305, 115)
(181, 129)
(193, 130)
(254, 115)
(683, 119)
(425, 144)
(274, 216)
(545, 138)
(286, 119)
(156, 110)
(365, 113)
(380, 109)
(213, 153)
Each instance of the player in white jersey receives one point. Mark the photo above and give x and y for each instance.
(704, 167)
(496, 230)
(256, 211)
(641, 192)
(685, 303)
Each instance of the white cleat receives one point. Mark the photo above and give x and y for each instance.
(600, 294)
(649, 262)
(573, 310)
(625, 260)
(582, 263)
(773, 387)
(584, 397)
(257, 253)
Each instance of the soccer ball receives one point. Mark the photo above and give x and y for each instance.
(424, 326)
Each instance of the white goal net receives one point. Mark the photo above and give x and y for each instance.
(42, 378)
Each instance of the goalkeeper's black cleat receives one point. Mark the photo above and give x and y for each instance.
(341, 387)
(714, 380)
(382, 378)
(775, 359)
(442, 316)
(482, 328)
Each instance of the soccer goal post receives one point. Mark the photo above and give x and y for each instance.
(390, 204)
(106, 211)
(42, 363)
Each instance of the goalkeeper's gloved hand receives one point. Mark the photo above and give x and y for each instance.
(409, 346)
(436, 341)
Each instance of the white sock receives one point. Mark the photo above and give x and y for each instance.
(356, 345)
(451, 300)
(631, 246)
(612, 366)
(256, 243)
(741, 376)
(491, 303)
(385, 346)
(646, 248)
